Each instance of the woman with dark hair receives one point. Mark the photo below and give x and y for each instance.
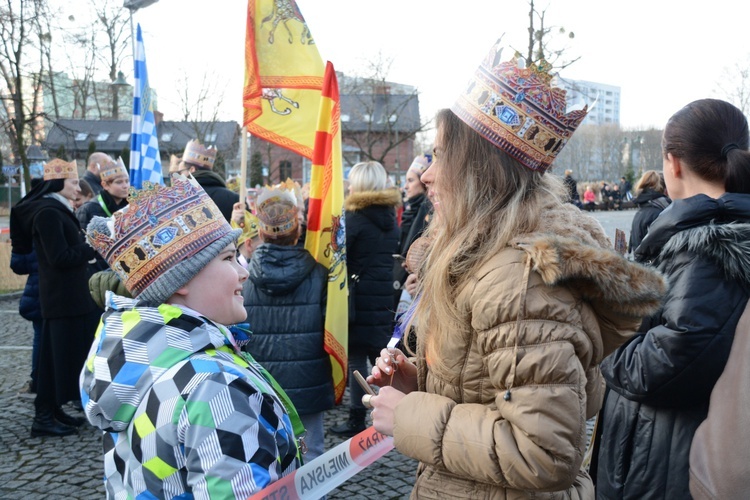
(659, 383)
(651, 201)
(44, 221)
(520, 297)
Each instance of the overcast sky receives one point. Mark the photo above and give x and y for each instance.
(662, 53)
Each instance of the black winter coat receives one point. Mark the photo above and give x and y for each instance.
(659, 383)
(93, 208)
(413, 223)
(285, 298)
(93, 181)
(28, 306)
(216, 189)
(372, 237)
(63, 257)
(650, 205)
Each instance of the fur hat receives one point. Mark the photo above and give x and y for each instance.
(517, 109)
(162, 239)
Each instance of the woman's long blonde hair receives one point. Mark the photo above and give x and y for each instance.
(487, 198)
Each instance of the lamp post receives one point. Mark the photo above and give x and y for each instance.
(116, 85)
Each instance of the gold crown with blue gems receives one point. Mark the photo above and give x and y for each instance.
(517, 109)
(161, 227)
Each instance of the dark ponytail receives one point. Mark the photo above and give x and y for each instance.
(711, 137)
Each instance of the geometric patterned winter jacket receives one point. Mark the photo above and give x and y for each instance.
(184, 414)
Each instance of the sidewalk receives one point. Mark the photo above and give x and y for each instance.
(71, 467)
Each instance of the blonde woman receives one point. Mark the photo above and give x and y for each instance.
(651, 200)
(521, 297)
(372, 236)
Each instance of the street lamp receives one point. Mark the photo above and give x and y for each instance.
(116, 85)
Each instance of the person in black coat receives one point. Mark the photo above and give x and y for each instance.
(29, 307)
(659, 383)
(372, 236)
(115, 183)
(199, 162)
(44, 221)
(413, 221)
(285, 299)
(651, 201)
(572, 187)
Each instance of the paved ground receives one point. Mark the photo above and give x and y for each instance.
(70, 467)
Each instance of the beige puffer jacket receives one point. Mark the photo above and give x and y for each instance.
(508, 419)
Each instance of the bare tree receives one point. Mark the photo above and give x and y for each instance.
(378, 116)
(734, 85)
(543, 41)
(200, 105)
(20, 67)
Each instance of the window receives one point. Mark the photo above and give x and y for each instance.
(210, 138)
(103, 136)
(344, 118)
(125, 136)
(81, 136)
(393, 118)
(285, 170)
(166, 137)
(366, 117)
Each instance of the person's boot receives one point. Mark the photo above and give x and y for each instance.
(44, 424)
(354, 424)
(68, 420)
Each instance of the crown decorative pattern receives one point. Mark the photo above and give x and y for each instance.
(199, 155)
(161, 227)
(277, 208)
(60, 169)
(517, 109)
(112, 169)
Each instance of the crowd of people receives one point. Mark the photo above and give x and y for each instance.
(188, 324)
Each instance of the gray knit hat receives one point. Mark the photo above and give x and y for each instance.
(162, 239)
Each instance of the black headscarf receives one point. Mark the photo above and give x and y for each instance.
(20, 222)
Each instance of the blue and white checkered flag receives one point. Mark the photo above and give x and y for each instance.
(145, 163)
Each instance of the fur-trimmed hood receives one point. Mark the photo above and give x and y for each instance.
(364, 199)
(570, 247)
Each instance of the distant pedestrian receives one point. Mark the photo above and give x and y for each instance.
(45, 218)
(198, 161)
(93, 166)
(371, 240)
(659, 382)
(589, 198)
(651, 201)
(572, 186)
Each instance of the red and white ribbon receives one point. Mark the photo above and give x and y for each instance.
(330, 470)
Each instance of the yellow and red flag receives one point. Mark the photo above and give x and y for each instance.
(283, 76)
(326, 237)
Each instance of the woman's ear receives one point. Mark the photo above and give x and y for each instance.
(675, 165)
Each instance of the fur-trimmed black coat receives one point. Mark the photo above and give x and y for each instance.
(372, 237)
(660, 382)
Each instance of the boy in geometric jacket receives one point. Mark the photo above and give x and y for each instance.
(184, 412)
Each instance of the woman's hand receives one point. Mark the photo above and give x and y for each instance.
(393, 369)
(384, 409)
(238, 213)
(410, 285)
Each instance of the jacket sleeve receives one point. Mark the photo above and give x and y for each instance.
(21, 263)
(679, 359)
(231, 433)
(533, 441)
(54, 244)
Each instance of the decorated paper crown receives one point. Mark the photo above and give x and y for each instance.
(421, 163)
(198, 155)
(250, 227)
(277, 208)
(60, 169)
(112, 169)
(517, 109)
(162, 229)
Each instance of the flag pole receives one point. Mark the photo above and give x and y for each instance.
(243, 167)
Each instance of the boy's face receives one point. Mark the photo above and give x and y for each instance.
(216, 291)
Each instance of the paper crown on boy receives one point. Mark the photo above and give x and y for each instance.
(112, 169)
(60, 169)
(197, 155)
(277, 208)
(517, 109)
(162, 239)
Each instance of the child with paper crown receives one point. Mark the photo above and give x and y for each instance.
(185, 413)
